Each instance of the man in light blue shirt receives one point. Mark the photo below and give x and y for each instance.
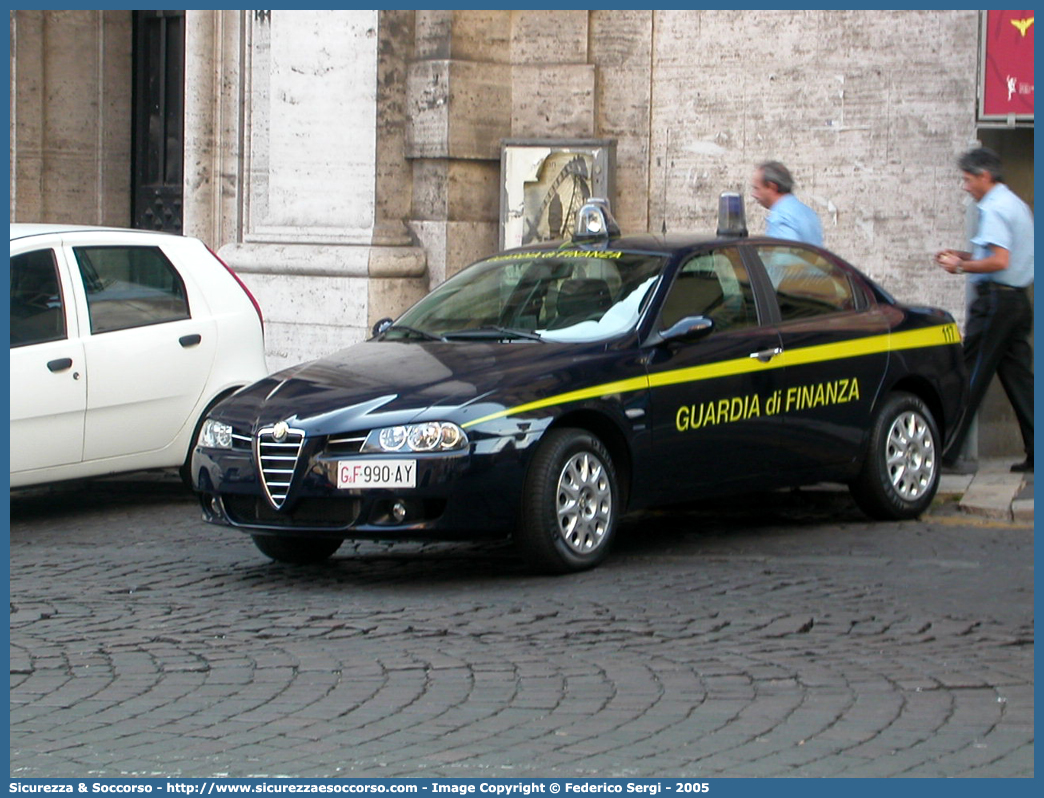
(1000, 315)
(788, 217)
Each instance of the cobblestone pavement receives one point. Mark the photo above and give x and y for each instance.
(779, 635)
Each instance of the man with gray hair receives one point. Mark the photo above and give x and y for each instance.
(999, 321)
(788, 217)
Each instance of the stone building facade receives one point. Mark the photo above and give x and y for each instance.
(342, 162)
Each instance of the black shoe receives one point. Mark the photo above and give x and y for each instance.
(1023, 467)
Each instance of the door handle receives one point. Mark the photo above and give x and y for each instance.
(765, 355)
(190, 340)
(60, 365)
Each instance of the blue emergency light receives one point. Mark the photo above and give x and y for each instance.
(732, 220)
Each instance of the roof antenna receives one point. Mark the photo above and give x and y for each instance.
(663, 206)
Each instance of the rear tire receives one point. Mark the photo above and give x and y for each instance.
(570, 503)
(900, 474)
(296, 550)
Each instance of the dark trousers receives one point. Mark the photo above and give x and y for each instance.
(996, 341)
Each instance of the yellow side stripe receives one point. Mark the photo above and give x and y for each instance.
(942, 335)
(594, 392)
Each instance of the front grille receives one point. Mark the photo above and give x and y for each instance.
(312, 513)
(277, 461)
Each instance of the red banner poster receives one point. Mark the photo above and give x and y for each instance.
(1007, 68)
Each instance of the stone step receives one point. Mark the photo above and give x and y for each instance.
(993, 491)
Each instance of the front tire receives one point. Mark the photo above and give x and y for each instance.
(570, 503)
(296, 550)
(900, 474)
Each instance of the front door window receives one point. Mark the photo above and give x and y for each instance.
(37, 313)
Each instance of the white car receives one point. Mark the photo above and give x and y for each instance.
(121, 341)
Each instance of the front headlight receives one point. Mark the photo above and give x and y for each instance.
(428, 436)
(215, 435)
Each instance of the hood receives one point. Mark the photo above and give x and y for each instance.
(383, 383)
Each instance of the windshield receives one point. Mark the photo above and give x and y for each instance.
(547, 295)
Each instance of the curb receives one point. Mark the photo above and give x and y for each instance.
(993, 491)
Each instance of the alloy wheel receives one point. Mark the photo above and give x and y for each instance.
(585, 502)
(910, 456)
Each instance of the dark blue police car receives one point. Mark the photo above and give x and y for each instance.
(542, 392)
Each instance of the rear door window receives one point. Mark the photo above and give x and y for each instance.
(807, 284)
(130, 287)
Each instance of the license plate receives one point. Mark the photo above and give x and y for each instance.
(377, 474)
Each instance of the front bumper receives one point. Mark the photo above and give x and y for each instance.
(458, 496)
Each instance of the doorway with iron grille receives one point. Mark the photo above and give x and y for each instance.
(158, 120)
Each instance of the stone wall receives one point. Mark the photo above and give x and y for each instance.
(70, 116)
(458, 110)
(694, 99)
(297, 118)
(478, 78)
(869, 109)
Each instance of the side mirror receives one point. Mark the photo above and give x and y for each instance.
(381, 326)
(690, 328)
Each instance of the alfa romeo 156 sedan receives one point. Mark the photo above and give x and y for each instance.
(542, 392)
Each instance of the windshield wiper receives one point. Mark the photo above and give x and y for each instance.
(492, 332)
(427, 336)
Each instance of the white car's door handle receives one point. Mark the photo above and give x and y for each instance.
(61, 364)
(190, 340)
(765, 355)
